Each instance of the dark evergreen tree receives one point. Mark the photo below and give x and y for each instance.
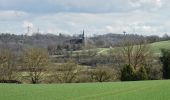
(128, 73)
(165, 59)
(142, 74)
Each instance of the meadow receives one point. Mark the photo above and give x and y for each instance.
(139, 90)
(155, 47)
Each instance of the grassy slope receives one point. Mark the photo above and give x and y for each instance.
(144, 90)
(155, 47)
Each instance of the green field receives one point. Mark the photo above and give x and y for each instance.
(141, 90)
(155, 47)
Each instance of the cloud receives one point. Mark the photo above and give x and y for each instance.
(96, 17)
(137, 3)
(12, 15)
(100, 23)
(79, 6)
(147, 5)
(93, 23)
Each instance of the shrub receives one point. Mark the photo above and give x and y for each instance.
(102, 74)
(142, 74)
(128, 73)
(165, 59)
(66, 72)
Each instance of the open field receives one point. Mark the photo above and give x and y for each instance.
(155, 47)
(141, 90)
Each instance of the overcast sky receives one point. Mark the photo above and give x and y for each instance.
(94, 16)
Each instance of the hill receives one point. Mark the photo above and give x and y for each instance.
(53, 42)
(155, 47)
(141, 90)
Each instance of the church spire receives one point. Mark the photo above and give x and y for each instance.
(83, 35)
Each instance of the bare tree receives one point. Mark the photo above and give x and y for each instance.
(135, 52)
(7, 65)
(102, 74)
(66, 72)
(35, 61)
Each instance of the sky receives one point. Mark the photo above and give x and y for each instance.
(144, 17)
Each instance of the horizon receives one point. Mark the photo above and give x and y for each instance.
(142, 17)
(92, 35)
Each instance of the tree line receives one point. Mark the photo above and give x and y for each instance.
(58, 44)
(131, 62)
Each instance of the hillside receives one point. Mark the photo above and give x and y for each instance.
(141, 90)
(53, 42)
(155, 47)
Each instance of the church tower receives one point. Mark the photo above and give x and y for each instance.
(83, 38)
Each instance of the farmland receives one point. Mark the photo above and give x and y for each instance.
(140, 90)
(84, 50)
(155, 47)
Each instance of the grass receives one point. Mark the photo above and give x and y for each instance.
(155, 47)
(142, 90)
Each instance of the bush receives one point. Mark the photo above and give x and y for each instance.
(142, 74)
(128, 73)
(102, 74)
(165, 59)
(154, 72)
(66, 72)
